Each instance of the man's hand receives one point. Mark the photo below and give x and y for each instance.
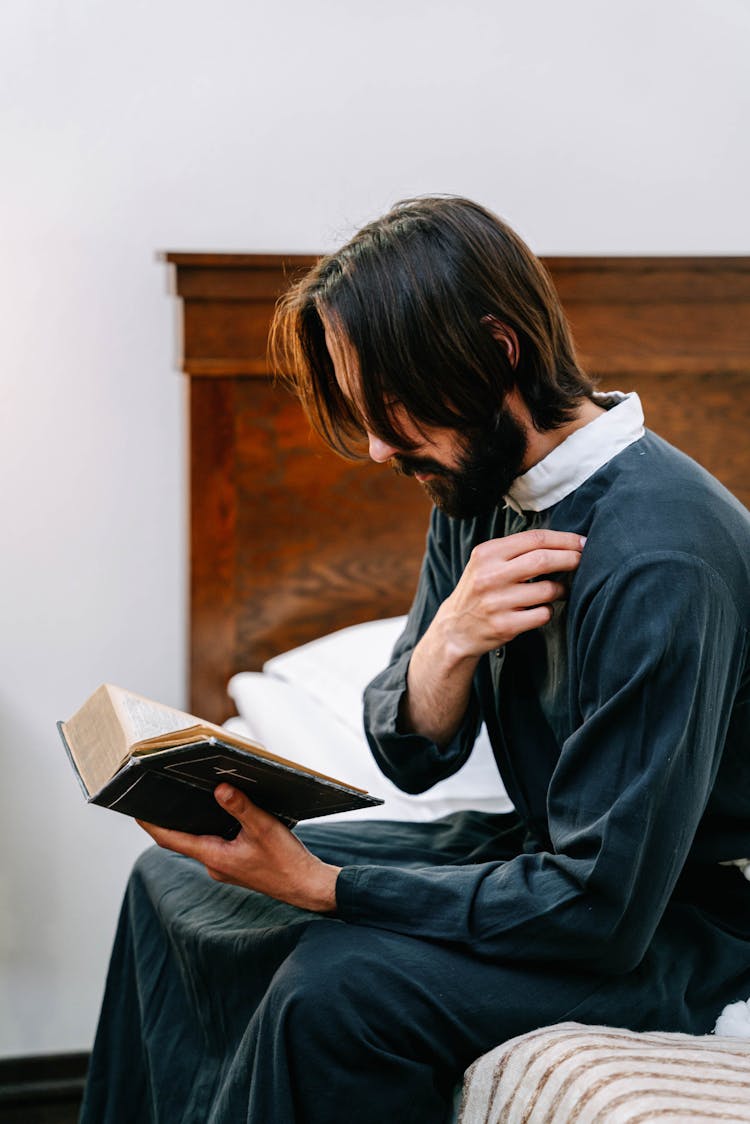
(497, 596)
(496, 599)
(265, 856)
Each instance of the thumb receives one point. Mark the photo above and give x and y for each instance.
(235, 802)
(232, 800)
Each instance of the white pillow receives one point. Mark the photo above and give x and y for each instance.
(336, 668)
(307, 705)
(292, 724)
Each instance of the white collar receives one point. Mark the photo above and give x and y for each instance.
(579, 456)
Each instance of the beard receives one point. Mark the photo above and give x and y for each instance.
(491, 460)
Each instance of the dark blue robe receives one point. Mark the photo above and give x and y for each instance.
(621, 733)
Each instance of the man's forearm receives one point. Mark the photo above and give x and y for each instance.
(438, 686)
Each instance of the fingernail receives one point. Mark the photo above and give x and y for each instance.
(583, 540)
(224, 794)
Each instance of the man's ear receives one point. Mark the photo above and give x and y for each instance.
(504, 335)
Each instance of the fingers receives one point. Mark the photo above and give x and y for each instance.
(539, 563)
(210, 850)
(538, 593)
(265, 855)
(528, 619)
(490, 573)
(530, 554)
(508, 587)
(180, 841)
(539, 539)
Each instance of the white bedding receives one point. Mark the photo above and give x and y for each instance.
(306, 704)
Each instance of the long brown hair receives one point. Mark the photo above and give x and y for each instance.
(411, 294)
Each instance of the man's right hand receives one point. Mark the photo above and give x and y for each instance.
(509, 586)
(498, 596)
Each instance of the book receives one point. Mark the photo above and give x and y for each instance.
(161, 765)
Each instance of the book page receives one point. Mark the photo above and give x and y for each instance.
(198, 731)
(144, 718)
(102, 733)
(205, 730)
(96, 739)
(115, 723)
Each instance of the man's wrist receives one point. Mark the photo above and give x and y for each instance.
(322, 892)
(445, 649)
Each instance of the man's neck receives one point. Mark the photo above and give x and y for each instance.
(539, 443)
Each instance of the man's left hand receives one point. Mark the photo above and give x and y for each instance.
(264, 856)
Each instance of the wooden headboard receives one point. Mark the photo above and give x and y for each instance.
(288, 541)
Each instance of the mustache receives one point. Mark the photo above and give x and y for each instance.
(409, 466)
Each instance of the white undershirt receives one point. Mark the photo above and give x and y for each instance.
(580, 455)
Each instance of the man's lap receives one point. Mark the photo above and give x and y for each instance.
(231, 946)
(220, 972)
(355, 1007)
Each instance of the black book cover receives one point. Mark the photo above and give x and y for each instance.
(174, 788)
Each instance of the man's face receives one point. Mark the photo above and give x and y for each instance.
(479, 470)
(464, 474)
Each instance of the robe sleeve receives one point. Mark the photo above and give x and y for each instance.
(659, 653)
(415, 763)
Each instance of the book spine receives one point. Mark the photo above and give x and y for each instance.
(121, 783)
(71, 758)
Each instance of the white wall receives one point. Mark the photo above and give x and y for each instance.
(127, 128)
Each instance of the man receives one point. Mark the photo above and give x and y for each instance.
(584, 592)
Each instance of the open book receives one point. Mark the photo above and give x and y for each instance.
(162, 765)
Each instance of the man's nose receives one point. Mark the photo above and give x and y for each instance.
(380, 451)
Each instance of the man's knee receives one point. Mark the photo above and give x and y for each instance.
(319, 968)
(333, 984)
(339, 1017)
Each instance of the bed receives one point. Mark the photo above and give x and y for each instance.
(289, 544)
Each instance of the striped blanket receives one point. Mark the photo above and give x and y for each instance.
(574, 1074)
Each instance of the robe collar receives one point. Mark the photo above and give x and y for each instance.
(580, 455)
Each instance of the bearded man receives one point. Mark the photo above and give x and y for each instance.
(584, 592)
